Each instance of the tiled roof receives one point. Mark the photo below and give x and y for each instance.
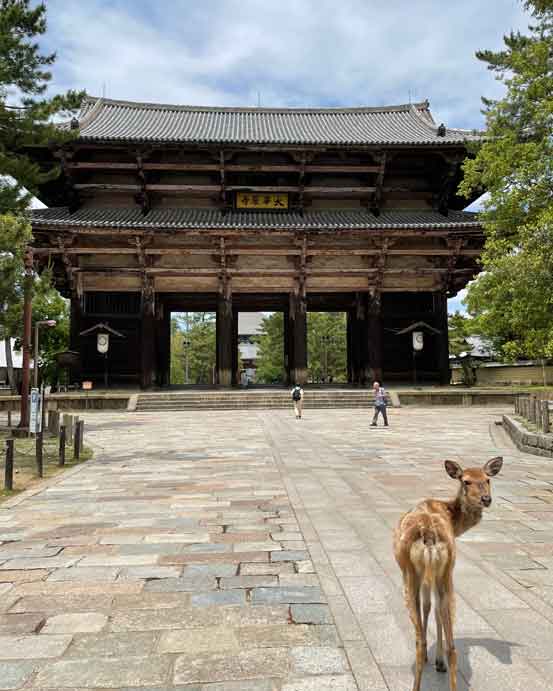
(108, 120)
(182, 218)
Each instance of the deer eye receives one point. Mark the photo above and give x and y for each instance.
(467, 483)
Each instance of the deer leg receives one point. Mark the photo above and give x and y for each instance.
(447, 618)
(412, 600)
(426, 604)
(440, 662)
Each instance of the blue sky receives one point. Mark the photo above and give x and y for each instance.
(290, 53)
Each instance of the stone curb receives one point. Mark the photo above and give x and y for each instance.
(529, 442)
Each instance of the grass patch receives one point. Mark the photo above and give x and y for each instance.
(24, 463)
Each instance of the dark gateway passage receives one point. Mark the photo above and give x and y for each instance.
(165, 209)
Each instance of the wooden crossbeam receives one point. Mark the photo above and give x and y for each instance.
(259, 251)
(231, 168)
(216, 189)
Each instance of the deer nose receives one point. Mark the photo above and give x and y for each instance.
(486, 500)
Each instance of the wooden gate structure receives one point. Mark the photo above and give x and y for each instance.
(162, 208)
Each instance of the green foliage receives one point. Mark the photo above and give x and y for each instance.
(15, 233)
(511, 300)
(193, 339)
(327, 346)
(48, 304)
(270, 356)
(459, 329)
(26, 120)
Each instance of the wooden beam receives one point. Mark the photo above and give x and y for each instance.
(376, 201)
(214, 189)
(231, 168)
(258, 251)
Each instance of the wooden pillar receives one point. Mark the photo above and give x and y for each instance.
(287, 347)
(163, 345)
(297, 326)
(235, 350)
(224, 336)
(147, 337)
(442, 356)
(75, 324)
(364, 373)
(374, 333)
(75, 328)
(349, 345)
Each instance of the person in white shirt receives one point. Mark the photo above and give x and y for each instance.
(297, 398)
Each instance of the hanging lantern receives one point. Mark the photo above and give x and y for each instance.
(418, 340)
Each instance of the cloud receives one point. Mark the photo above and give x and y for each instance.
(309, 53)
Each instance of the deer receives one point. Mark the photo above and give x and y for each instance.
(425, 550)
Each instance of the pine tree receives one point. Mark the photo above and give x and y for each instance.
(512, 300)
(26, 120)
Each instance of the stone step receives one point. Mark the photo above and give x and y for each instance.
(244, 400)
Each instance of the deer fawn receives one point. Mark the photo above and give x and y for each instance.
(424, 546)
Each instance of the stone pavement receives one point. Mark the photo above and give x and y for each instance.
(223, 551)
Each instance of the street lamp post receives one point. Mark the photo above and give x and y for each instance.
(42, 322)
(186, 345)
(326, 341)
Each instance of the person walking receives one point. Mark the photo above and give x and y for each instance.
(379, 404)
(297, 398)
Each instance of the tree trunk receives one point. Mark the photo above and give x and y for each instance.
(9, 364)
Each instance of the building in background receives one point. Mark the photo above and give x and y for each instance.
(249, 326)
(170, 208)
(17, 359)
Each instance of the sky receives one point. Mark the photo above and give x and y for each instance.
(286, 53)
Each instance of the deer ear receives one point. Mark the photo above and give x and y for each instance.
(453, 469)
(493, 466)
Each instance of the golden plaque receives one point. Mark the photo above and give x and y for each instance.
(250, 200)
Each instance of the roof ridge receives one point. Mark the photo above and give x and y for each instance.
(401, 107)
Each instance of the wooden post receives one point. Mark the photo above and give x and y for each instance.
(287, 347)
(163, 345)
(76, 442)
(75, 328)
(39, 457)
(546, 418)
(9, 419)
(81, 434)
(374, 324)
(235, 350)
(349, 346)
(61, 452)
(68, 424)
(8, 469)
(440, 316)
(147, 336)
(298, 335)
(224, 335)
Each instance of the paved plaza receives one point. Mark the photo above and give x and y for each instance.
(228, 551)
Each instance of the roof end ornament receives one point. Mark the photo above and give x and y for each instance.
(441, 130)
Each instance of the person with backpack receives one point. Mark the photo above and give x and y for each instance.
(297, 398)
(379, 404)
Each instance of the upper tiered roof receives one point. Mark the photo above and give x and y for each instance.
(106, 120)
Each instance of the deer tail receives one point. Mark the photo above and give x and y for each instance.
(431, 557)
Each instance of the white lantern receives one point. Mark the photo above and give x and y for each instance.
(102, 343)
(418, 340)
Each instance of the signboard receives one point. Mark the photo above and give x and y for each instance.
(418, 340)
(250, 200)
(35, 416)
(102, 343)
